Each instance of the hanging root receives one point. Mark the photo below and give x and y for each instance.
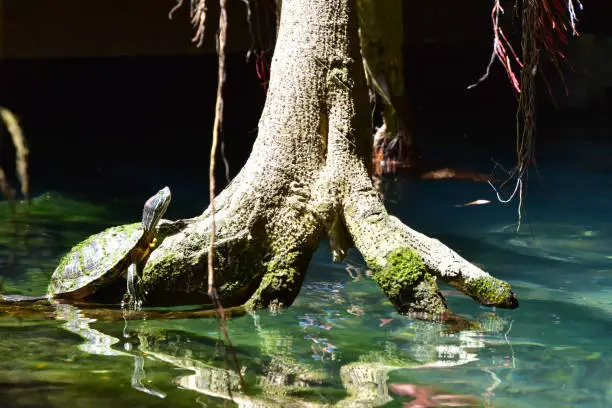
(218, 124)
(501, 47)
(198, 19)
(263, 21)
(21, 158)
(177, 6)
(545, 24)
(526, 114)
(197, 13)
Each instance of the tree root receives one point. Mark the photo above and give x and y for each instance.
(262, 254)
(309, 173)
(407, 264)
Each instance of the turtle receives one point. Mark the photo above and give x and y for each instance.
(104, 257)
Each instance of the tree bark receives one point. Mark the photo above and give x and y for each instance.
(309, 174)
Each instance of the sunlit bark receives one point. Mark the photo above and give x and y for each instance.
(309, 174)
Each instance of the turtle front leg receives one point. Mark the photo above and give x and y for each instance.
(134, 300)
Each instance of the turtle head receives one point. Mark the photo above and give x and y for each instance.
(155, 208)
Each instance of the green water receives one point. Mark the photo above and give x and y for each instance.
(341, 343)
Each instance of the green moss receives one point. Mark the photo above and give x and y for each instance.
(181, 273)
(491, 292)
(280, 283)
(129, 228)
(167, 267)
(409, 285)
(403, 271)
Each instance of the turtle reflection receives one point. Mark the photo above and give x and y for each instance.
(96, 342)
(284, 362)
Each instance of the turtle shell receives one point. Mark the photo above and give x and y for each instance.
(95, 262)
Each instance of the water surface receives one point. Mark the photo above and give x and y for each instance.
(341, 343)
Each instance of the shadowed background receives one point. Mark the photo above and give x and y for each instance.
(117, 89)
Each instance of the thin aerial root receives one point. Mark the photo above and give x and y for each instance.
(526, 115)
(198, 19)
(500, 43)
(550, 27)
(226, 164)
(21, 150)
(249, 18)
(572, 14)
(218, 124)
(545, 27)
(177, 6)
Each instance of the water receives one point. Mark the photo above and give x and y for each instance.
(341, 343)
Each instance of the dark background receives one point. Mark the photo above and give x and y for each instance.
(119, 93)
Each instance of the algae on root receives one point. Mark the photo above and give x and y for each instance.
(409, 285)
(491, 291)
(403, 270)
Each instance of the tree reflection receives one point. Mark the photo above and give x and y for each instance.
(334, 361)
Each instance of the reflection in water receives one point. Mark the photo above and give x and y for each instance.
(308, 355)
(355, 270)
(340, 344)
(206, 379)
(99, 343)
(428, 397)
(96, 342)
(139, 376)
(276, 371)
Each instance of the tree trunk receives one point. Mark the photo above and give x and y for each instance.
(382, 38)
(309, 174)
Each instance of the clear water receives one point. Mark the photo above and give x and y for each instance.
(341, 343)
